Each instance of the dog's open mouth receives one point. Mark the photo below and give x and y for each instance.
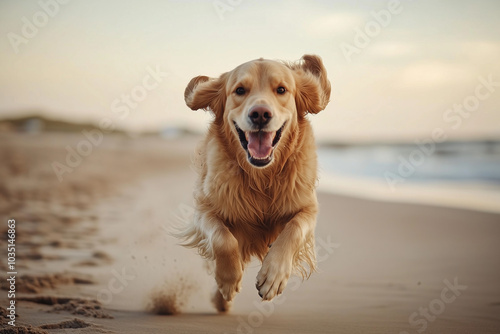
(259, 144)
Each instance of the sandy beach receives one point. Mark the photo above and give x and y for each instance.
(94, 254)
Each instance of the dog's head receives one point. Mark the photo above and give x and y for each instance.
(260, 103)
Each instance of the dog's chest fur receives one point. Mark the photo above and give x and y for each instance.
(256, 203)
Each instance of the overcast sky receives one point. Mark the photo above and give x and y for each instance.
(398, 81)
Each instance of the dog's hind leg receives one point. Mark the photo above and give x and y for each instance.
(219, 302)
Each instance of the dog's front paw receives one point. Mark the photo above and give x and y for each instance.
(273, 276)
(228, 280)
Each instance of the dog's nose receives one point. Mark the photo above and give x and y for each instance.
(260, 115)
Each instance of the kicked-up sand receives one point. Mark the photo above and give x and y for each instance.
(94, 253)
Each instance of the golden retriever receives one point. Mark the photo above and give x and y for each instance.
(255, 195)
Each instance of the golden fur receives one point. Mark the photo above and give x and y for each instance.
(241, 209)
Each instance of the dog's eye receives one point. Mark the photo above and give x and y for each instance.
(281, 90)
(240, 91)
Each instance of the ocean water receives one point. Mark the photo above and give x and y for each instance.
(458, 174)
(457, 161)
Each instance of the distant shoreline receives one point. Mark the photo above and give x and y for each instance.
(470, 196)
(37, 121)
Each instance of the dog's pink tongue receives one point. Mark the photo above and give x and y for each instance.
(260, 144)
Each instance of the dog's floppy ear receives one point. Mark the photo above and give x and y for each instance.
(313, 87)
(206, 93)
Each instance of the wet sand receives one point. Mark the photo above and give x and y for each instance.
(95, 248)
